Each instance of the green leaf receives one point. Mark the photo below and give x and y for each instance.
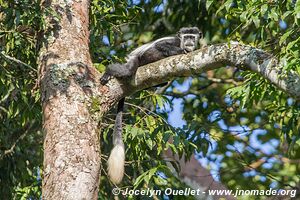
(228, 4)
(291, 44)
(160, 181)
(160, 101)
(166, 136)
(133, 131)
(274, 15)
(176, 140)
(208, 4)
(243, 16)
(149, 143)
(285, 36)
(256, 21)
(263, 9)
(146, 176)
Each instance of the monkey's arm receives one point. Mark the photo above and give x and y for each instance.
(169, 48)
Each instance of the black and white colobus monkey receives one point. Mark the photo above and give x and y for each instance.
(185, 41)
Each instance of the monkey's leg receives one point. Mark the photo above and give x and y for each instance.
(114, 70)
(130, 67)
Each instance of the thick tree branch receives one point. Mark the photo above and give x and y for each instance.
(211, 57)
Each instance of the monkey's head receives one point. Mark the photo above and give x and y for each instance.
(189, 38)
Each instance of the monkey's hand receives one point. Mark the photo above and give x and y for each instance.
(105, 78)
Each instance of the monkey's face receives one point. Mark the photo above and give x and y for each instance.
(189, 38)
(189, 42)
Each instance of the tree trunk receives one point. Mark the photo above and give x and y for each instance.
(71, 145)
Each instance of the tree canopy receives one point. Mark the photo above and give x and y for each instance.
(241, 127)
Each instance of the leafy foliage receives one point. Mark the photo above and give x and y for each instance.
(254, 114)
(20, 110)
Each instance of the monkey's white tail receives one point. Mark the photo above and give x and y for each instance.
(116, 163)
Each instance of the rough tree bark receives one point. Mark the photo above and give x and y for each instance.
(70, 92)
(71, 145)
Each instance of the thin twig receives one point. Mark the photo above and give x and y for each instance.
(22, 136)
(16, 61)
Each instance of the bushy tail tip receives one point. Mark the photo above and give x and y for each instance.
(116, 163)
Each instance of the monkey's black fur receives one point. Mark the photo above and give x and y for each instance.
(185, 41)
